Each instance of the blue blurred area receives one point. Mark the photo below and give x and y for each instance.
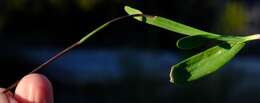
(103, 65)
(239, 78)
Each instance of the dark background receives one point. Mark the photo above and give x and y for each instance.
(127, 62)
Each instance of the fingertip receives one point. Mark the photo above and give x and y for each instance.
(34, 88)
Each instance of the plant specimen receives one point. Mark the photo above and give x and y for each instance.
(190, 69)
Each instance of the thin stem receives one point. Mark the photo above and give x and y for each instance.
(106, 24)
(59, 54)
(45, 64)
(252, 37)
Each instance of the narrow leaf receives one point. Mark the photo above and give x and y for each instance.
(195, 41)
(168, 24)
(178, 27)
(190, 42)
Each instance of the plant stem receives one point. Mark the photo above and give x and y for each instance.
(59, 54)
(252, 37)
(45, 64)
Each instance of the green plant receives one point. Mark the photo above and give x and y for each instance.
(189, 69)
(202, 63)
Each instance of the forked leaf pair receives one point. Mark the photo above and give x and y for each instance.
(205, 62)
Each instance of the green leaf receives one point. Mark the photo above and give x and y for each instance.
(183, 29)
(190, 42)
(168, 24)
(205, 62)
(178, 27)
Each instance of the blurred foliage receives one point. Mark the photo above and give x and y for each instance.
(234, 18)
(86, 4)
(25, 7)
(11, 5)
(15, 4)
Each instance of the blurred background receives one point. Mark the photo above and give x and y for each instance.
(128, 62)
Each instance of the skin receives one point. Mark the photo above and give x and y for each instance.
(33, 88)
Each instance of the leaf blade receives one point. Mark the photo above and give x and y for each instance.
(204, 63)
(190, 42)
(168, 24)
(175, 26)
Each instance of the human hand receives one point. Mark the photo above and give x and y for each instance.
(33, 88)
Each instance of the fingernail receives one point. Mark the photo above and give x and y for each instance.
(34, 88)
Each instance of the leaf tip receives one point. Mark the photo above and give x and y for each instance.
(179, 74)
(258, 36)
(132, 11)
(170, 75)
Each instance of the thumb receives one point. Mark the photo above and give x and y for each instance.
(34, 88)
